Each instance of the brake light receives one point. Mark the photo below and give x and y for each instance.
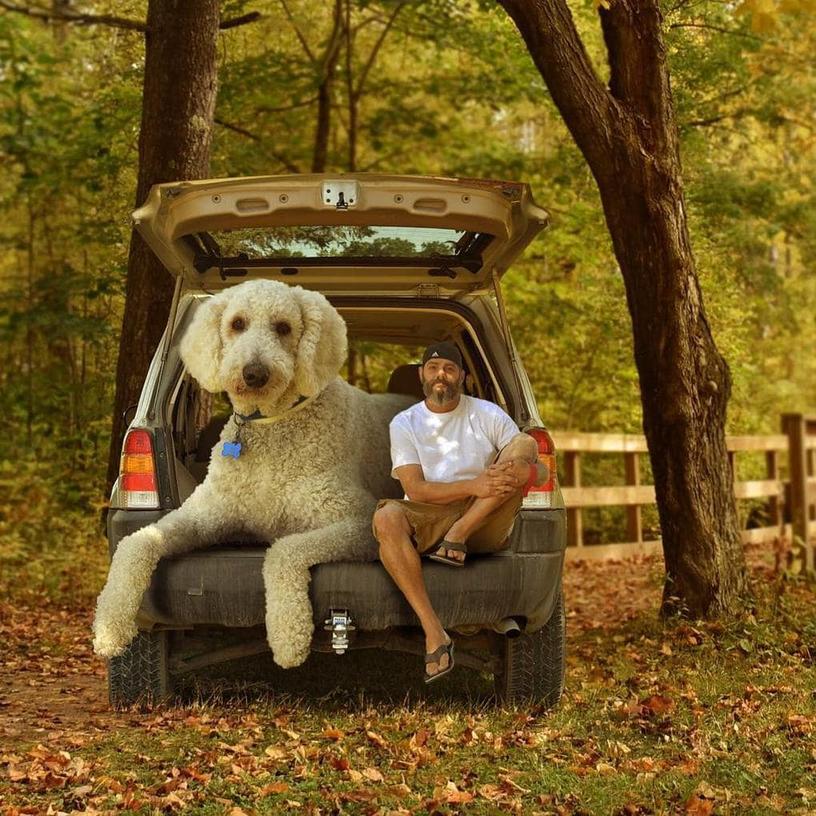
(137, 472)
(541, 495)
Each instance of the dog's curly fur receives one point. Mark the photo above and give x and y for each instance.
(307, 483)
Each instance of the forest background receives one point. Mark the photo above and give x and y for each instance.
(436, 87)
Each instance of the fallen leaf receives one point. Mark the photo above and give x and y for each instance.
(373, 774)
(376, 739)
(274, 787)
(333, 734)
(701, 802)
(420, 738)
(689, 767)
(657, 704)
(359, 795)
(491, 792)
(399, 791)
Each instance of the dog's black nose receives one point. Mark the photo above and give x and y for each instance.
(256, 375)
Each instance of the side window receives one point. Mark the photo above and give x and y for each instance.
(482, 385)
(198, 418)
(369, 365)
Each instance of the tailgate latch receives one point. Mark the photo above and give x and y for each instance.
(340, 625)
(340, 194)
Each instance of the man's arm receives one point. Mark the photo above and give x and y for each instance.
(491, 482)
(521, 471)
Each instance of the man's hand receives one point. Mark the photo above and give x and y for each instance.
(519, 468)
(498, 480)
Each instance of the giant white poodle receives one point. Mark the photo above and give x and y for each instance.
(301, 462)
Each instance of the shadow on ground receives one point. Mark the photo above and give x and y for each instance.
(358, 678)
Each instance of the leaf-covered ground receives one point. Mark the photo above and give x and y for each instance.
(683, 718)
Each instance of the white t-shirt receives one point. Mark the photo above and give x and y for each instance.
(451, 446)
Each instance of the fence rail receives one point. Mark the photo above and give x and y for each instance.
(790, 502)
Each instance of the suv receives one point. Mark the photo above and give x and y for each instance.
(406, 261)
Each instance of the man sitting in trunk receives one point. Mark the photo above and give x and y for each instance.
(464, 467)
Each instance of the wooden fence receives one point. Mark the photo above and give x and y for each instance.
(789, 501)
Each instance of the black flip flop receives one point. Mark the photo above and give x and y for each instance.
(445, 559)
(435, 656)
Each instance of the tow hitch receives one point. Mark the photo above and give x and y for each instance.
(340, 625)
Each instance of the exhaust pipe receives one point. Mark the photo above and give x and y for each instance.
(507, 627)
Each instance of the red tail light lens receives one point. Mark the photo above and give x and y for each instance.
(541, 495)
(137, 472)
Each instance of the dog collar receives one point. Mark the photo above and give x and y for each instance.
(257, 416)
(233, 449)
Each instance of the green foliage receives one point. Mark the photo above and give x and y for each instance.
(448, 89)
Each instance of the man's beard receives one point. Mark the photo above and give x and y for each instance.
(442, 395)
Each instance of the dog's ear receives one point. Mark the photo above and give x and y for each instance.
(201, 347)
(323, 345)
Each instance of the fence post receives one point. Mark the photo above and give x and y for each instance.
(772, 472)
(575, 524)
(793, 426)
(634, 523)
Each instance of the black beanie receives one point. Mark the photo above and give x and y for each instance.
(445, 350)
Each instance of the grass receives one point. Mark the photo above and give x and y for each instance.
(684, 717)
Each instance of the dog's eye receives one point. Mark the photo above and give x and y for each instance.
(238, 324)
(283, 328)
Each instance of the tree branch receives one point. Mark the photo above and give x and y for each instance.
(284, 108)
(712, 120)
(561, 58)
(237, 129)
(298, 32)
(375, 18)
(292, 168)
(639, 77)
(234, 22)
(387, 157)
(630, 32)
(375, 50)
(76, 17)
(329, 59)
(720, 29)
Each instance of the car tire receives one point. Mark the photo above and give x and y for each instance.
(140, 674)
(534, 664)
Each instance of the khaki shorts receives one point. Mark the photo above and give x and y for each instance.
(430, 522)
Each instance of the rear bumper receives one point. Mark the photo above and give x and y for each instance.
(223, 585)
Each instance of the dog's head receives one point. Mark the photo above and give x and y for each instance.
(265, 344)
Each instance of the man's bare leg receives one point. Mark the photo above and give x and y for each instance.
(402, 562)
(520, 447)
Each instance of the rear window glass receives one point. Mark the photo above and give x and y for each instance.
(343, 242)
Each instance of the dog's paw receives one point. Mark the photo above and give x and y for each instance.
(111, 642)
(289, 658)
(288, 654)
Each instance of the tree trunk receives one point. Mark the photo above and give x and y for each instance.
(174, 143)
(628, 135)
(327, 70)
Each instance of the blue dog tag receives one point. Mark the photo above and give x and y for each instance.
(232, 449)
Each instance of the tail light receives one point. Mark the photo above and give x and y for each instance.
(137, 472)
(541, 495)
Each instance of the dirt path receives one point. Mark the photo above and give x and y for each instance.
(51, 684)
(53, 688)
